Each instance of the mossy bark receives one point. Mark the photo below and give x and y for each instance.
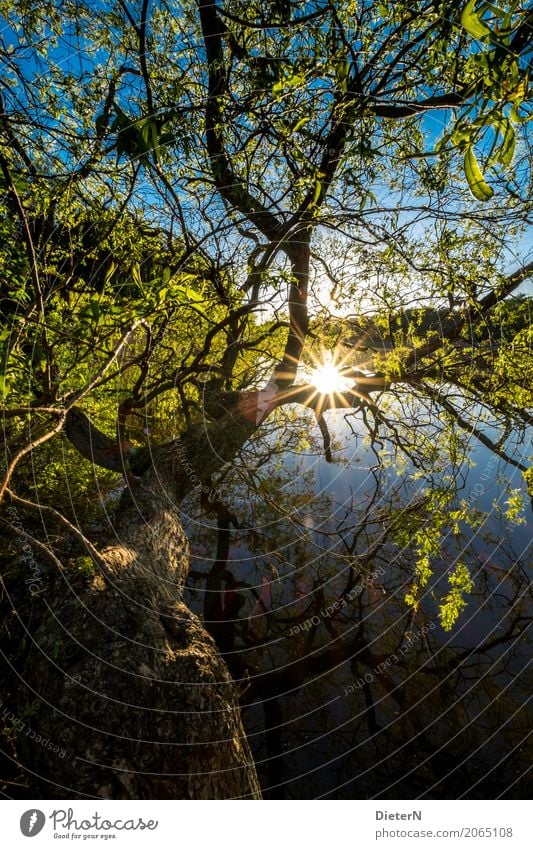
(127, 681)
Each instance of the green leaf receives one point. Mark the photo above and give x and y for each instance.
(476, 181)
(136, 274)
(154, 138)
(299, 124)
(149, 136)
(109, 273)
(292, 81)
(460, 134)
(516, 117)
(473, 23)
(91, 311)
(4, 386)
(504, 155)
(318, 192)
(343, 68)
(186, 295)
(515, 507)
(453, 603)
(122, 121)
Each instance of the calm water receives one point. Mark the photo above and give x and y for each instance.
(347, 692)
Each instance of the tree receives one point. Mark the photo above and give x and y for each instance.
(177, 192)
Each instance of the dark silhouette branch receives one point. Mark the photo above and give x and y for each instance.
(231, 188)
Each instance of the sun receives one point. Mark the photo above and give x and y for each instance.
(327, 378)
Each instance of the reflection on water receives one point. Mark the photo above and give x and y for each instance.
(346, 690)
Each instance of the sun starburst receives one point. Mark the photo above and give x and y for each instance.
(327, 376)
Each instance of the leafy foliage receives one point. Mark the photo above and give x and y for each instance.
(180, 188)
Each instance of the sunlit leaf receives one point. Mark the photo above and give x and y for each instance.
(505, 152)
(299, 124)
(473, 23)
(515, 115)
(479, 188)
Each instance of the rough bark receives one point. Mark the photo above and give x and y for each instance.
(128, 681)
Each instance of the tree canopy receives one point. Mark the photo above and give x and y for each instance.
(202, 203)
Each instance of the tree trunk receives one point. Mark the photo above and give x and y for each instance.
(122, 683)
(129, 684)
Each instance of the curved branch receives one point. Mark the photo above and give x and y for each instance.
(410, 108)
(56, 516)
(231, 188)
(470, 427)
(27, 450)
(95, 445)
(451, 326)
(303, 19)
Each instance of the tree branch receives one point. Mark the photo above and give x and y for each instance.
(231, 188)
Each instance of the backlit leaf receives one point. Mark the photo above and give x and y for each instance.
(476, 181)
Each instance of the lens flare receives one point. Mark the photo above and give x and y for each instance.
(327, 378)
